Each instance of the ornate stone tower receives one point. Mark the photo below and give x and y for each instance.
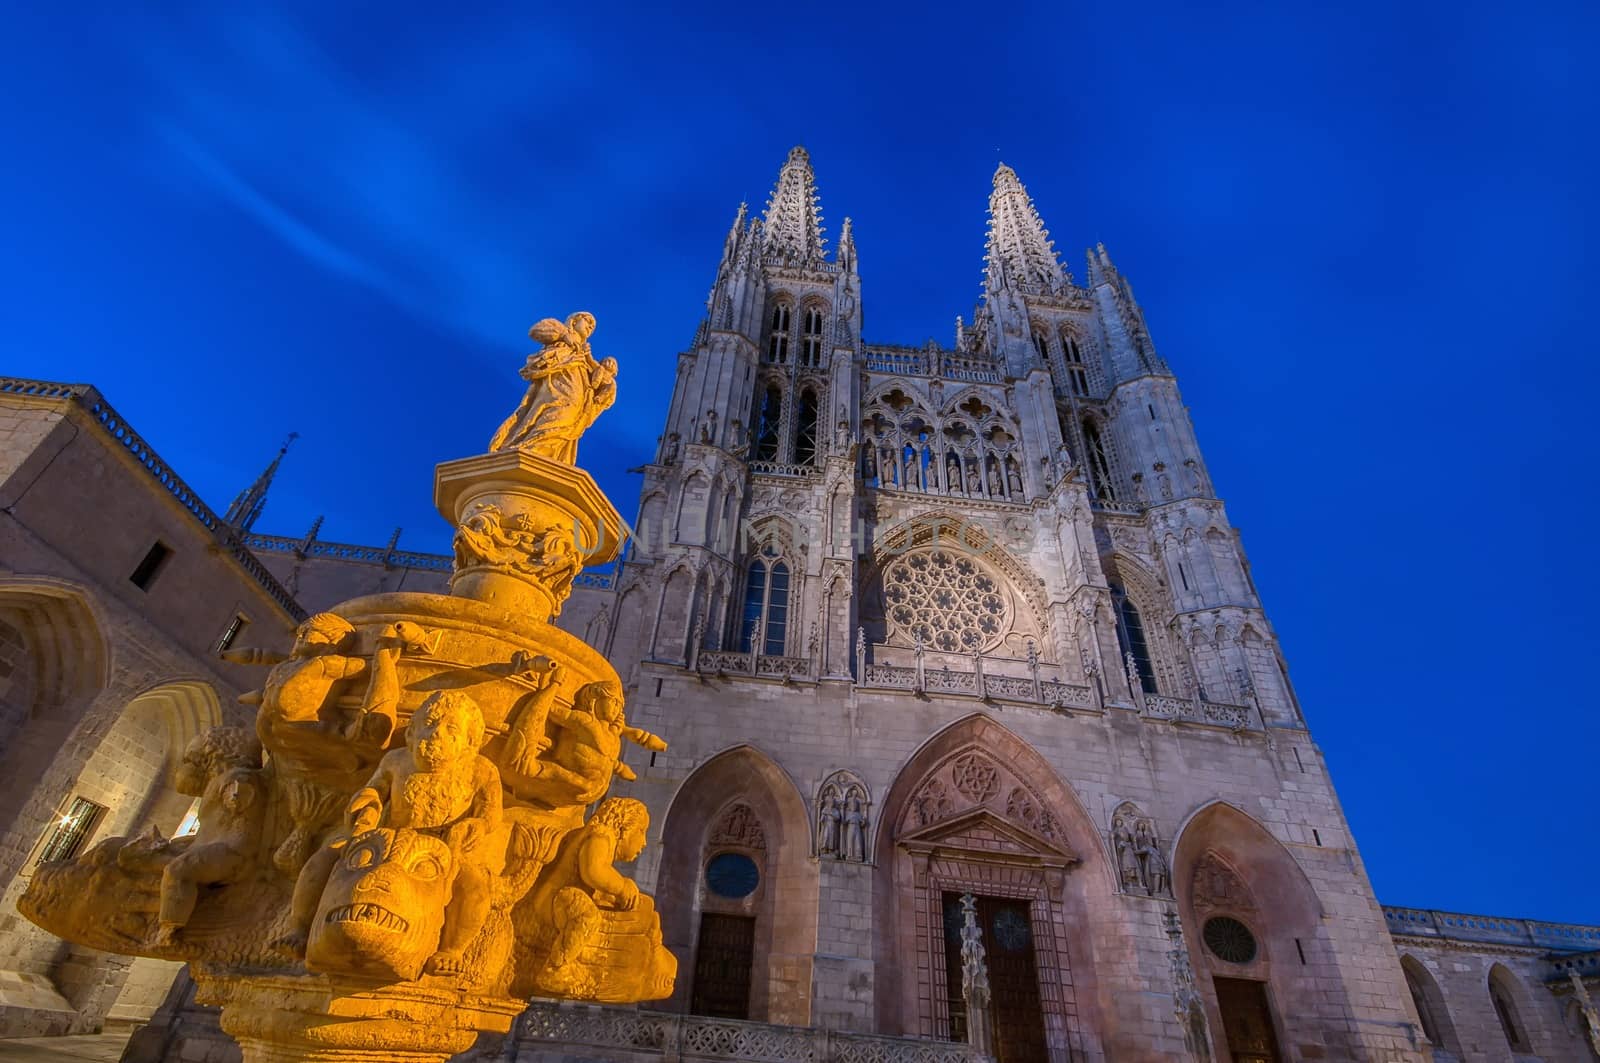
(939, 621)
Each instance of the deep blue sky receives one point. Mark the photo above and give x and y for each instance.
(1363, 239)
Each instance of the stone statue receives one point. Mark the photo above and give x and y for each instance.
(582, 906)
(587, 749)
(567, 391)
(222, 767)
(1129, 872)
(855, 829)
(828, 820)
(1157, 878)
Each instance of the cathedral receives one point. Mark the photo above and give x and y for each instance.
(948, 642)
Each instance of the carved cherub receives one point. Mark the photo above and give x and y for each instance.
(581, 880)
(439, 785)
(223, 768)
(587, 748)
(318, 730)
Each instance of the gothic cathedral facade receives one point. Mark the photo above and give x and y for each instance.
(933, 621)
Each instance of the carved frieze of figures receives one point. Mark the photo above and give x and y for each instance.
(740, 826)
(1141, 867)
(843, 802)
(1216, 885)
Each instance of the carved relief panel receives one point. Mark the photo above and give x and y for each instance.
(843, 802)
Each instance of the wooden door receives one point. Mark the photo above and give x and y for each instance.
(1247, 1020)
(722, 966)
(1017, 1018)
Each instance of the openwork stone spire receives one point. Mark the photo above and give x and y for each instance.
(245, 510)
(793, 222)
(1019, 249)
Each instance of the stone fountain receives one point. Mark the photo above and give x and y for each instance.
(397, 856)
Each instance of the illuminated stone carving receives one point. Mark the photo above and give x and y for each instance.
(410, 861)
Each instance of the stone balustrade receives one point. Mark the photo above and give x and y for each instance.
(1195, 710)
(642, 1035)
(760, 665)
(1050, 692)
(1456, 926)
(781, 468)
(931, 361)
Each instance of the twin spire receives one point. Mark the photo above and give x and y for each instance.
(1019, 251)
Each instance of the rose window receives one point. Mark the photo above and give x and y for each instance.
(945, 600)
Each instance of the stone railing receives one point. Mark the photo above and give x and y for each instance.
(781, 468)
(117, 428)
(386, 556)
(1111, 505)
(1051, 692)
(1456, 926)
(924, 361)
(1195, 710)
(635, 1034)
(374, 555)
(762, 665)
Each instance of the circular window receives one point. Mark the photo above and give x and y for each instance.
(1230, 940)
(945, 600)
(732, 875)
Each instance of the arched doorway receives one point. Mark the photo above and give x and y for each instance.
(736, 877)
(978, 811)
(1252, 922)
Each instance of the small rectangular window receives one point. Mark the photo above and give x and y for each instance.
(236, 625)
(73, 829)
(151, 566)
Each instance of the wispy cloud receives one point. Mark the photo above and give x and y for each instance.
(377, 187)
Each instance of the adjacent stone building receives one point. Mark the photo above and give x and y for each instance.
(919, 623)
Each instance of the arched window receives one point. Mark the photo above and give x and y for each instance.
(1077, 372)
(811, 342)
(1130, 636)
(1419, 997)
(1099, 467)
(805, 428)
(766, 604)
(778, 342)
(769, 419)
(1505, 1009)
(1041, 343)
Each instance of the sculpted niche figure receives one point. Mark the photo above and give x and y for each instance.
(567, 391)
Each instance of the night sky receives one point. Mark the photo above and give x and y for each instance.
(1363, 238)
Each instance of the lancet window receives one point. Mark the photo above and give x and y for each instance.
(805, 430)
(811, 337)
(1099, 465)
(769, 424)
(1077, 371)
(1041, 343)
(1131, 637)
(765, 618)
(778, 337)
